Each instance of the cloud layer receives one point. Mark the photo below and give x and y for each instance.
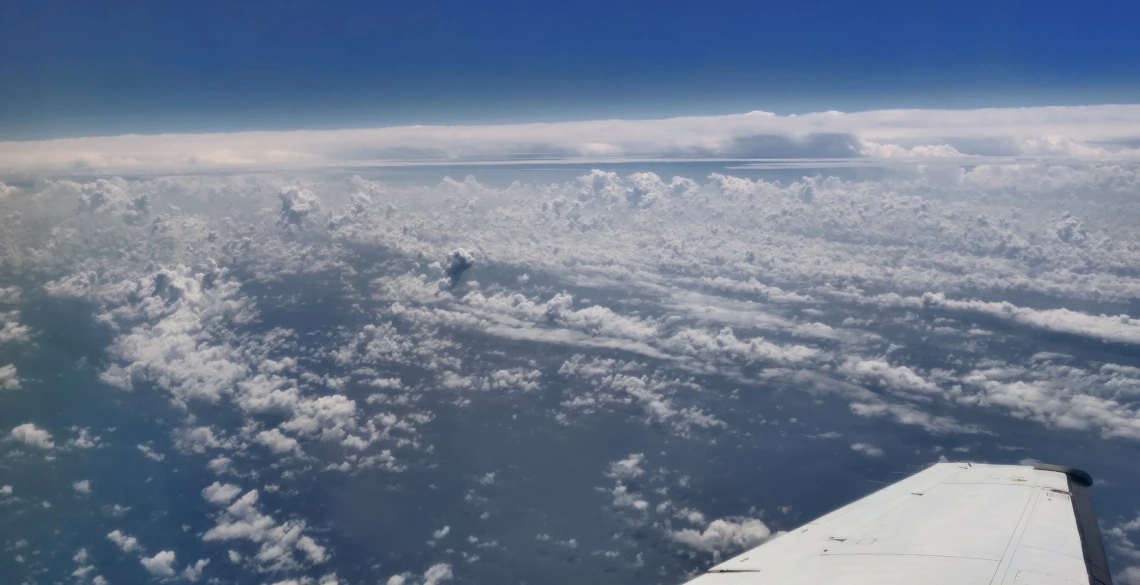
(1081, 132)
(457, 374)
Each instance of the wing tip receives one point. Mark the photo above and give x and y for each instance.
(1081, 477)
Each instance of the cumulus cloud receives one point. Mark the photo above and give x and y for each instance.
(150, 453)
(83, 487)
(628, 468)
(160, 565)
(434, 575)
(900, 378)
(297, 204)
(867, 449)
(1129, 576)
(277, 441)
(11, 331)
(724, 535)
(217, 493)
(30, 434)
(458, 262)
(125, 542)
(671, 303)
(194, 572)
(282, 545)
(1117, 328)
(10, 294)
(9, 380)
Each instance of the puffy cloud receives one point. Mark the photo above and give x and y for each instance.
(458, 262)
(279, 542)
(628, 468)
(173, 350)
(909, 414)
(109, 196)
(160, 565)
(125, 542)
(623, 498)
(867, 449)
(680, 298)
(297, 204)
(651, 394)
(9, 380)
(10, 294)
(11, 331)
(724, 535)
(150, 453)
(900, 378)
(218, 493)
(1117, 328)
(434, 575)
(277, 442)
(30, 434)
(1129, 576)
(84, 440)
(83, 487)
(199, 440)
(194, 572)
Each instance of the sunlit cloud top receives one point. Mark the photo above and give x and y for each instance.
(1081, 132)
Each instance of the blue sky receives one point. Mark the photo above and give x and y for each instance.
(103, 68)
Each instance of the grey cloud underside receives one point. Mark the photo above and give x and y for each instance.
(302, 331)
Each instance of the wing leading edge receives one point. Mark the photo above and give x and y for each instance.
(950, 524)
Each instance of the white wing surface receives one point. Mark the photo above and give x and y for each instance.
(950, 524)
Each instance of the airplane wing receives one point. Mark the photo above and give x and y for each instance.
(950, 524)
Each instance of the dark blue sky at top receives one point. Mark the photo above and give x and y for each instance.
(109, 67)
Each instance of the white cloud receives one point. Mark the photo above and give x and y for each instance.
(160, 565)
(681, 297)
(297, 204)
(280, 542)
(150, 453)
(222, 494)
(9, 380)
(277, 442)
(1058, 395)
(83, 487)
(434, 575)
(900, 378)
(724, 535)
(32, 435)
(908, 414)
(1129, 576)
(9, 294)
(125, 542)
(623, 498)
(921, 134)
(194, 572)
(84, 440)
(628, 468)
(1117, 328)
(11, 331)
(867, 449)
